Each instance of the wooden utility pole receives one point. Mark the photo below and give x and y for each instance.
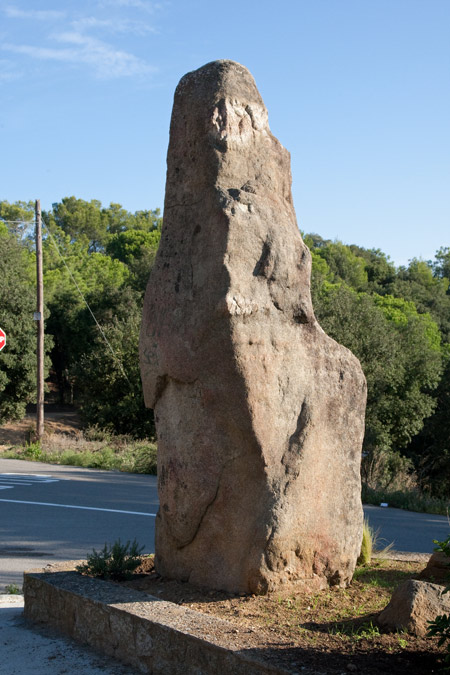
(40, 326)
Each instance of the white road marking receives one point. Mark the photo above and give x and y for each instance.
(31, 477)
(85, 508)
(8, 480)
(6, 487)
(14, 482)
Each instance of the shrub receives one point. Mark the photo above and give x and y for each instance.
(441, 624)
(116, 562)
(12, 589)
(145, 458)
(33, 451)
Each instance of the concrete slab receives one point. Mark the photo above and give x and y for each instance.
(30, 650)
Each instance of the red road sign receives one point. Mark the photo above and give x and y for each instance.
(2, 339)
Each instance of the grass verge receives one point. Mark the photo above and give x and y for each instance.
(410, 501)
(96, 449)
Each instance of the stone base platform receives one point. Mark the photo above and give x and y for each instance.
(150, 634)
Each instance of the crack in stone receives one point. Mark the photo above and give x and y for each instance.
(210, 503)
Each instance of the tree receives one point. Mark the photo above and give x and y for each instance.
(112, 280)
(18, 217)
(109, 384)
(82, 221)
(380, 270)
(17, 303)
(441, 266)
(137, 250)
(81, 274)
(428, 292)
(344, 265)
(399, 351)
(120, 220)
(430, 450)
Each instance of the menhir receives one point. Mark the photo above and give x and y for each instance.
(259, 414)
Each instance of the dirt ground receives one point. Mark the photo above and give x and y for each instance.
(332, 632)
(57, 419)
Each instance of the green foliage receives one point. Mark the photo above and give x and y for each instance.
(429, 293)
(17, 304)
(97, 448)
(370, 545)
(397, 322)
(136, 249)
(366, 631)
(430, 450)
(380, 270)
(116, 562)
(443, 546)
(145, 459)
(410, 500)
(344, 265)
(110, 385)
(131, 244)
(387, 470)
(441, 625)
(109, 252)
(441, 266)
(399, 359)
(82, 221)
(92, 226)
(12, 589)
(18, 217)
(33, 451)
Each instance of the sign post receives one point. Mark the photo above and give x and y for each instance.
(2, 339)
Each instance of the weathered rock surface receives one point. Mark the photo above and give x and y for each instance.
(259, 414)
(412, 605)
(438, 568)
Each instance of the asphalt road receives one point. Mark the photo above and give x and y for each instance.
(50, 513)
(42, 522)
(407, 530)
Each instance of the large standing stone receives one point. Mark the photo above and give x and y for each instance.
(259, 414)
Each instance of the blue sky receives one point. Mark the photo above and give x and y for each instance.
(357, 90)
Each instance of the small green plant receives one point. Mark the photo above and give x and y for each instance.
(443, 546)
(33, 451)
(366, 631)
(441, 624)
(441, 627)
(370, 545)
(367, 544)
(12, 589)
(116, 562)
